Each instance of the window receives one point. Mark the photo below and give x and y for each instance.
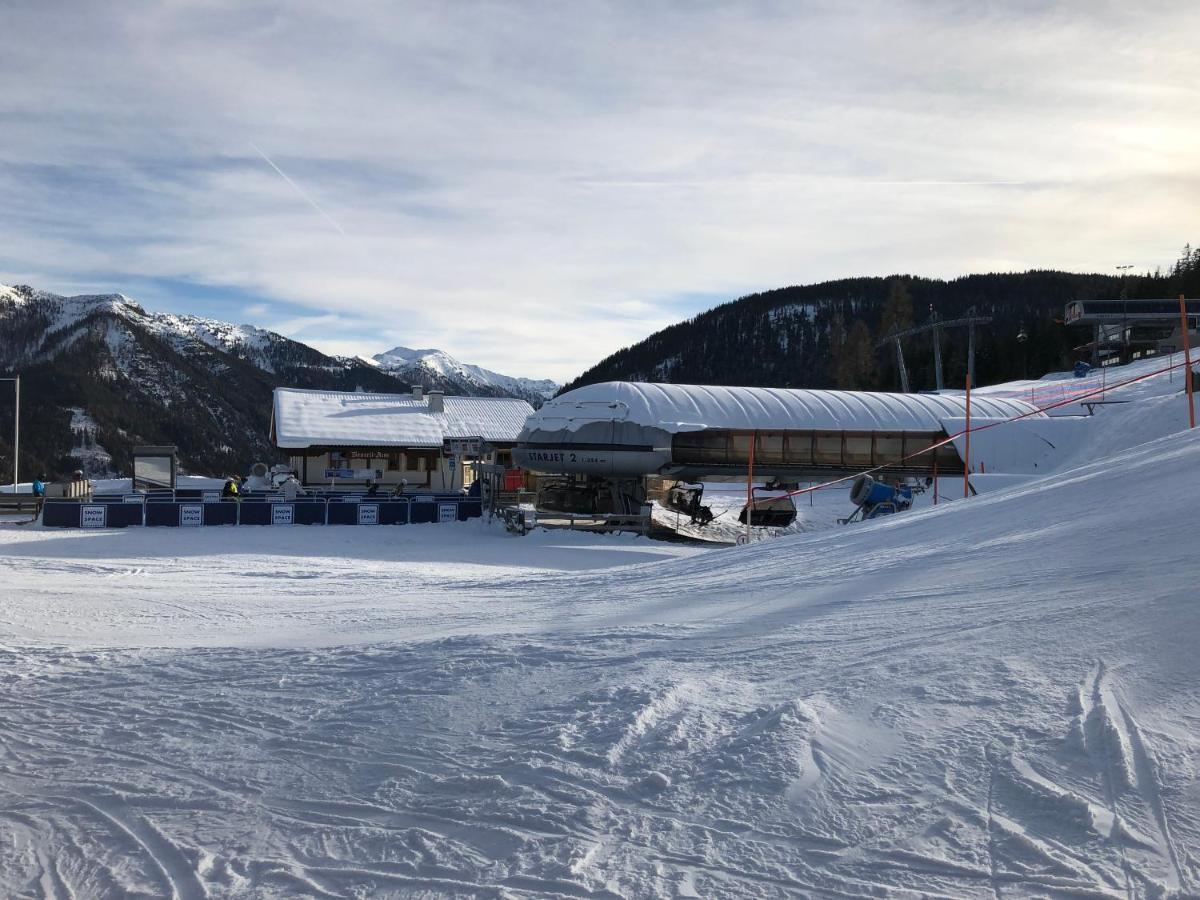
(769, 448)
(857, 450)
(799, 448)
(828, 448)
(701, 446)
(889, 449)
(412, 462)
(393, 462)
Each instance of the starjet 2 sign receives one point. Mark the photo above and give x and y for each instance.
(586, 458)
(595, 461)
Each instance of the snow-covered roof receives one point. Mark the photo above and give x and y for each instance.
(691, 407)
(337, 419)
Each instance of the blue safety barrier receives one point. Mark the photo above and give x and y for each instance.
(74, 514)
(220, 513)
(159, 513)
(254, 513)
(161, 509)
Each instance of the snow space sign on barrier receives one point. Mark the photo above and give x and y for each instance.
(115, 512)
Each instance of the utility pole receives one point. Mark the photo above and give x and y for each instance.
(16, 380)
(971, 351)
(900, 365)
(937, 349)
(1124, 270)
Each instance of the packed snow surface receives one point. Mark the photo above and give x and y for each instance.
(997, 697)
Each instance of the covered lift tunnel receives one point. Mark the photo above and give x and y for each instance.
(623, 429)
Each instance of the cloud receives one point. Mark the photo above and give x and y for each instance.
(531, 186)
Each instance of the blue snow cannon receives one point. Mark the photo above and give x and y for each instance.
(875, 498)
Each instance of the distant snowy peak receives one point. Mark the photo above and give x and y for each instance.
(186, 334)
(48, 324)
(67, 310)
(244, 340)
(437, 366)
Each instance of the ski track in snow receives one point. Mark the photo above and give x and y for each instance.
(998, 698)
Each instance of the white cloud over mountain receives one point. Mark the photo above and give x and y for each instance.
(534, 185)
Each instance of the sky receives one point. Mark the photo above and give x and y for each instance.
(531, 186)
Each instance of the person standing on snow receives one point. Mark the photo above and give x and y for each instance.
(39, 486)
(292, 489)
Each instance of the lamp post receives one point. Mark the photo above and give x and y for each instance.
(1124, 270)
(16, 380)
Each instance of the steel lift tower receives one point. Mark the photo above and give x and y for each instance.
(936, 325)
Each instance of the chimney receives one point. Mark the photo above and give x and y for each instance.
(418, 392)
(436, 403)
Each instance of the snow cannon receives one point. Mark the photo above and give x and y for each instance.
(258, 480)
(875, 498)
(866, 491)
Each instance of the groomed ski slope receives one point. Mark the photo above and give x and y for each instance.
(991, 698)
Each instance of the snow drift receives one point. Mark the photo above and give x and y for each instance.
(996, 697)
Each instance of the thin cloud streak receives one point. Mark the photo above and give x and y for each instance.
(532, 186)
(299, 190)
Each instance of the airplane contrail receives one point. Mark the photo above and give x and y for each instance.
(784, 182)
(313, 203)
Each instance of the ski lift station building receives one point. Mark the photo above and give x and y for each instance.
(354, 438)
(623, 429)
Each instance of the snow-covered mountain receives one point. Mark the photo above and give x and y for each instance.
(436, 367)
(101, 374)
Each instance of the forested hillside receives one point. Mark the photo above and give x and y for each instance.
(100, 375)
(826, 335)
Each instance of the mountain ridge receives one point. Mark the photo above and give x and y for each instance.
(831, 334)
(414, 364)
(100, 374)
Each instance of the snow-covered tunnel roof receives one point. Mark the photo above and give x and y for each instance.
(305, 418)
(692, 407)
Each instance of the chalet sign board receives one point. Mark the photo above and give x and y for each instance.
(462, 446)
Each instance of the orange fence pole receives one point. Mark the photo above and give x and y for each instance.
(967, 442)
(1187, 362)
(750, 484)
(935, 478)
(951, 438)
